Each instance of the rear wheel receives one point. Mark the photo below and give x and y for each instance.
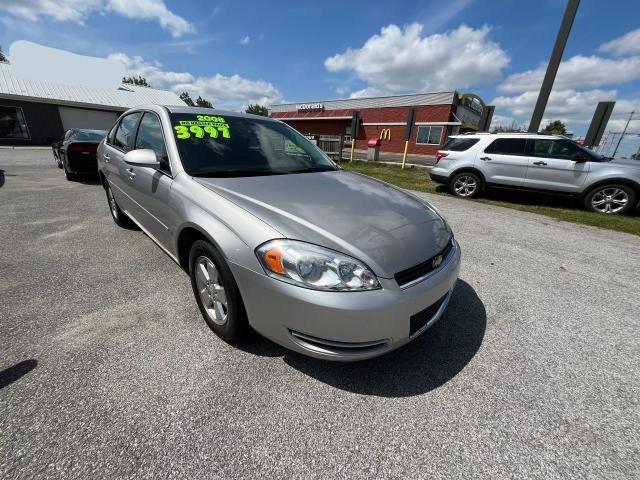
(610, 199)
(466, 185)
(72, 177)
(216, 292)
(121, 218)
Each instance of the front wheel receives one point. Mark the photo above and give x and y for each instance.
(121, 218)
(216, 292)
(466, 185)
(610, 199)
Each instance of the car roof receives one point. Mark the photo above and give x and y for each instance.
(509, 135)
(211, 111)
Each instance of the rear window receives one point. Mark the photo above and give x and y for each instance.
(460, 144)
(508, 146)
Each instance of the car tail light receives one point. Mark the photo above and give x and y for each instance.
(83, 148)
(440, 156)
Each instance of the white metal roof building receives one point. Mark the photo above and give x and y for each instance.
(38, 113)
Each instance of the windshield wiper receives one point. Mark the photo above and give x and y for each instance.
(313, 169)
(236, 173)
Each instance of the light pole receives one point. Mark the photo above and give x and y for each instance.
(624, 130)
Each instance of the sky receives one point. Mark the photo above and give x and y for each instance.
(241, 52)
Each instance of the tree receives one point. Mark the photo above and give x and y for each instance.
(258, 110)
(201, 102)
(555, 128)
(140, 81)
(186, 98)
(3, 57)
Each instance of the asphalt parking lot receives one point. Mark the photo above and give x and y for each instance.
(108, 370)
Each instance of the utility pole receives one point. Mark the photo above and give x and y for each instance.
(554, 63)
(624, 130)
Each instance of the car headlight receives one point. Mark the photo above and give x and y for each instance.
(311, 266)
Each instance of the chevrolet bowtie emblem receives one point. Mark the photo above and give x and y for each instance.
(437, 261)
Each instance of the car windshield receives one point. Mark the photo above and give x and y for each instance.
(225, 146)
(89, 135)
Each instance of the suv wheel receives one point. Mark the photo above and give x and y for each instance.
(117, 214)
(466, 185)
(216, 292)
(610, 199)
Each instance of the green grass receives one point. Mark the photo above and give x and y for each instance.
(555, 207)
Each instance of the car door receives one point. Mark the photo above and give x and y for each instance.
(504, 161)
(151, 187)
(116, 171)
(557, 164)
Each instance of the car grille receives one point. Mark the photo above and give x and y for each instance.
(421, 318)
(417, 271)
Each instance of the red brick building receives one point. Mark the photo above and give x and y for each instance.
(437, 116)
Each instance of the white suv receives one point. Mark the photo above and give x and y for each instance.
(470, 163)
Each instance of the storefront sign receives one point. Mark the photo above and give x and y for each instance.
(310, 107)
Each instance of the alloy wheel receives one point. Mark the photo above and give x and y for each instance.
(609, 200)
(211, 291)
(465, 185)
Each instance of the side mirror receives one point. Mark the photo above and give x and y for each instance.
(144, 157)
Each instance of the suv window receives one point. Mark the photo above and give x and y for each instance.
(460, 144)
(508, 146)
(150, 136)
(557, 149)
(126, 131)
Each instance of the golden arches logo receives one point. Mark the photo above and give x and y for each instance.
(385, 134)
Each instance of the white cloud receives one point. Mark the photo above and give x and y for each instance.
(578, 71)
(245, 40)
(571, 106)
(565, 105)
(628, 44)
(225, 92)
(401, 59)
(78, 10)
(152, 10)
(62, 10)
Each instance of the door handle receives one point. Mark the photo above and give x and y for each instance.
(131, 173)
(540, 163)
(486, 159)
(106, 157)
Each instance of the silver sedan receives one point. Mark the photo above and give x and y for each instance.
(277, 237)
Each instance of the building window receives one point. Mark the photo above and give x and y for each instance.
(12, 123)
(429, 135)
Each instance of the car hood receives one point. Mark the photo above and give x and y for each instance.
(387, 228)
(626, 162)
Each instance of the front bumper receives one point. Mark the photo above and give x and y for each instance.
(346, 326)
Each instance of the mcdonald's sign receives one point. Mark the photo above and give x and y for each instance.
(385, 134)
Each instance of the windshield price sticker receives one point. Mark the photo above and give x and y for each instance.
(204, 125)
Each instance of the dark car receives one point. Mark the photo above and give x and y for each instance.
(76, 152)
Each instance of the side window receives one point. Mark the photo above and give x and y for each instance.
(508, 146)
(555, 149)
(111, 136)
(126, 132)
(150, 136)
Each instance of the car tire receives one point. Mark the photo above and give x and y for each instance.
(611, 199)
(72, 177)
(466, 185)
(216, 292)
(121, 218)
